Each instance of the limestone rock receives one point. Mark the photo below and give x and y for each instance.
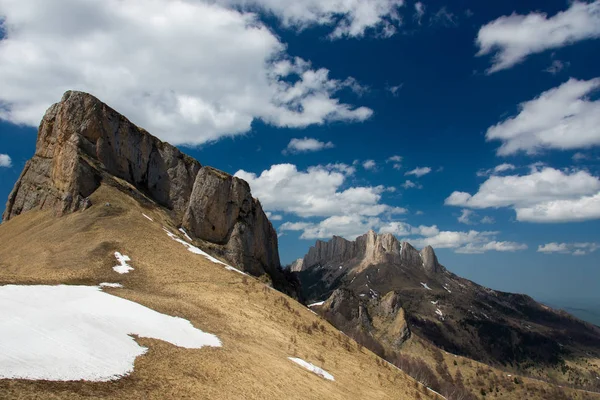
(430, 261)
(297, 265)
(82, 141)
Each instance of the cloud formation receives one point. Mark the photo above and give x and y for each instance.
(512, 38)
(544, 195)
(576, 249)
(306, 145)
(349, 18)
(5, 161)
(562, 118)
(156, 61)
(419, 171)
(316, 192)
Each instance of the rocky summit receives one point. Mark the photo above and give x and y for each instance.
(82, 143)
(388, 295)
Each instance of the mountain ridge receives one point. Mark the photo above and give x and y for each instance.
(83, 142)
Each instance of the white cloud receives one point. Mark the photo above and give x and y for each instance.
(408, 184)
(395, 90)
(316, 192)
(557, 66)
(444, 17)
(579, 156)
(306, 145)
(493, 245)
(369, 164)
(419, 12)
(350, 18)
(189, 72)
(5, 161)
(576, 249)
(487, 220)
(560, 118)
(582, 209)
(545, 195)
(419, 212)
(465, 217)
(396, 161)
(273, 217)
(516, 36)
(496, 170)
(419, 171)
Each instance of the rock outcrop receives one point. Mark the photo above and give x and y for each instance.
(82, 141)
(368, 249)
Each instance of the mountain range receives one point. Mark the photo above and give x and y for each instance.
(130, 270)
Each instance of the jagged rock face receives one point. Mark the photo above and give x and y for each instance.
(336, 250)
(382, 318)
(430, 261)
(81, 141)
(297, 265)
(368, 249)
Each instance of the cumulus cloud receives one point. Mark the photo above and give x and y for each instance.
(576, 249)
(496, 170)
(419, 12)
(561, 118)
(513, 38)
(419, 171)
(545, 195)
(396, 161)
(470, 217)
(369, 164)
(273, 217)
(5, 161)
(579, 157)
(349, 18)
(493, 245)
(306, 145)
(316, 192)
(395, 90)
(408, 184)
(189, 72)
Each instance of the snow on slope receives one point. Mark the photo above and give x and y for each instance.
(68, 333)
(313, 368)
(196, 250)
(123, 267)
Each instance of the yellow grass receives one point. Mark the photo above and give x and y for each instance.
(259, 327)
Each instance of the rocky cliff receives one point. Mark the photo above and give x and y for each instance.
(82, 141)
(368, 249)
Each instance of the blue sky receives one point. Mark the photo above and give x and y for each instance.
(327, 107)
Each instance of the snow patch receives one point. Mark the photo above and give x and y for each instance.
(185, 234)
(123, 267)
(196, 250)
(111, 285)
(147, 217)
(320, 303)
(439, 312)
(312, 368)
(425, 286)
(435, 302)
(71, 333)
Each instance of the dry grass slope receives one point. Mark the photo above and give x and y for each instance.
(259, 327)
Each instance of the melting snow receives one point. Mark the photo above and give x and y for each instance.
(196, 250)
(123, 267)
(320, 303)
(312, 368)
(147, 217)
(111, 285)
(445, 287)
(439, 312)
(425, 286)
(435, 302)
(69, 333)
(185, 234)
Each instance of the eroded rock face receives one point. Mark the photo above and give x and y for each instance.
(81, 141)
(430, 261)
